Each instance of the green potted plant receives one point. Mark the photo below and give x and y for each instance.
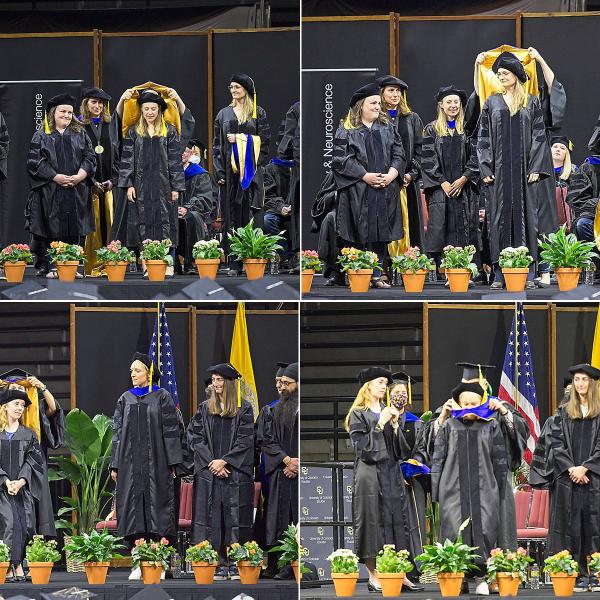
(249, 559)
(360, 265)
(344, 571)
(114, 258)
(14, 259)
(95, 550)
(459, 266)
(594, 564)
(514, 263)
(413, 266)
(567, 256)
(152, 557)
(156, 257)
(563, 572)
(449, 561)
(391, 566)
(289, 546)
(204, 559)
(309, 265)
(208, 255)
(41, 557)
(66, 257)
(508, 569)
(4, 561)
(254, 247)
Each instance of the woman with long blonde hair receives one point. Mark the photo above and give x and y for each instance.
(381, 511)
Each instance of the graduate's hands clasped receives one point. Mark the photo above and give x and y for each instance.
(380, 180)
(15, 486)
(68, 181)
(578, 475)
(218, 468)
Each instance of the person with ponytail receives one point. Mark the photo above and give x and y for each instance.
(381, 510)
(220, 440)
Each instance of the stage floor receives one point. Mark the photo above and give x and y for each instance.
(117, 587)
(135, 287)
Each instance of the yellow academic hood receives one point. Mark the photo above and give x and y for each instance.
(132, 112)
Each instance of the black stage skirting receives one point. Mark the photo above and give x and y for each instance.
(117, 587)
(135, 287)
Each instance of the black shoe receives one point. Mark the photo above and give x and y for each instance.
(233, 273)
(464, 588)
(20, 578)
(412, 588)
(594, 584)
(42, 272)
(286, 572)
(221, 573)
(335, 281)
(530, 284)
(582, 585)
(373, 589)
(233, 572)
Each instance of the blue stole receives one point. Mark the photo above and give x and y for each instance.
(193, 169)
(142, 391)
(483, 411)
(593, 160)
(248, 162)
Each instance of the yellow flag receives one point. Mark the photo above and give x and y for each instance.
(595, 362)
(241, 359)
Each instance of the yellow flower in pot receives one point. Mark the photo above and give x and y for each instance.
(563, 572)
(204, 559)
(360, 265)
(249, 559)
(67, 258)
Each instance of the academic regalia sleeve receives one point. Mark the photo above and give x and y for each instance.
(181, 469)
(116, 140)
(32, 469)
(237, 456)
(88, 163)
(116, 439)
(414, 168)
(170, 429)
(176, 176)
(593, 462)
(197, 442)
(53, 427)
(563, 460)
(431, 169)
(485, 155)
(274, 453)
(471, 171)
(188, 122)
(580, 195)
(594, 143)
(345, 166)
(438, 460)
(500, 456)
(4, 146)
(264, 132)
(398, 155)
(541, 473)
(201, 199)
(127, 165)
(472, 113)
(554, 104)
(219, 147)
(38, 162)
(539, 154)
(515, 437)
(285, 148)
(368, 443)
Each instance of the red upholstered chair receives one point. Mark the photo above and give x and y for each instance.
(532, 508)
(561, 208)
(425, 211)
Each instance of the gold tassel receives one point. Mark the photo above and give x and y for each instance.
(409, 391)
(239, 391)
(253, 99)
(405, 100)
(525, 99)
(46, 125)
(151, 376)
(347, 123)
(387, 395)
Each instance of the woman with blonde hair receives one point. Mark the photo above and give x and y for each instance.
(380, 506)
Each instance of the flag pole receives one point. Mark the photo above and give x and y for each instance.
(516, 320)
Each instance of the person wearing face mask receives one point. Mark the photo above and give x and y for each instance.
(379, 495)
(368, 162)
(61, 160)
(450, 177)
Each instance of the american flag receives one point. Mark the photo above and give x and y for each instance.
(161, 352)
(518, 364)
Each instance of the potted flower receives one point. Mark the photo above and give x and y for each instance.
(155, 254)
(14, 259)
(508, 569)
(254, 247)
(115, 258)
(248, 558)
(413, 266)
(95, 550)
(309, 265)
(67, 258)
(344, 571)
(41, 557)
(514, 263)
(204, 560)
(360, 265)
(289, 546)
(152, 557)
(391, 566)
(566, 256)
(563, 572)
(594, 564)
(208, 255)
(459, 266)
(4, 561)
(449, 561)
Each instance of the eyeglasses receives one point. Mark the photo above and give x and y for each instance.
(286, 383)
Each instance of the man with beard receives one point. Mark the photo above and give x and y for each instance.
(280, 446)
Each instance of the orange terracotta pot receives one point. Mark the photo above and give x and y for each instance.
(360, 280)
(568, 279)
(14, 272)
(450, 583)
(3, 570)
(67, 270)
(307, 279)
(508, 583)
(151, 573)
(96, 572)
(157, 269)
(458, 279)
(248, 573)
(414, 281)
(296, 570)
(40, 572)
(563, 583)
(204, 572)
(255, 268)
(344, 583)
(515, 279)
(391, 583)
(116, 270)
(208, 267)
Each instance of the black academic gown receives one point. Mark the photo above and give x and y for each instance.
(592, 172)
(4, 146)
(52, 211)
(365, 214)
(279, 442)
(381, 507)
(510, 149)
(579, 195)
(152, 165)
(452, 221)
(146, 444)
(230, 499)
(20, 457)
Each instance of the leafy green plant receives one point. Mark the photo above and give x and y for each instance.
(202, 552)
(343, 560)
(506, 561)
(157, 250)
(289, 547)
(309, 260)
(253, 242)
(459, 257)
(207, 249)
(40, 551)
(515, 258)
(4, 552)
(16, 253)
(562, 562)
(249, 552)
(114, 252)
(94, 546)
(152, 552)
(62, 252)
(411, 261)
(89, 442)
(354, 259)
(449, 557)
(390, 560)
(562, 249)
